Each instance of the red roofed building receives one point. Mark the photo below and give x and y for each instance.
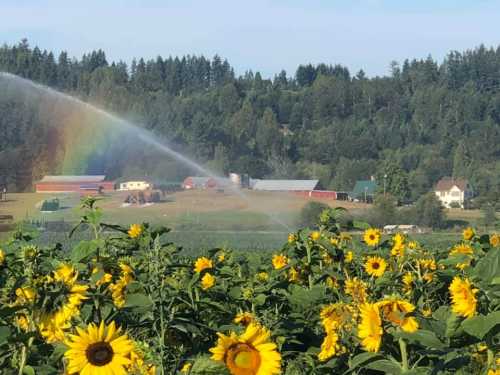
(453, 192)
(73, 184)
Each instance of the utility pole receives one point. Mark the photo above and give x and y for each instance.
(385, 179)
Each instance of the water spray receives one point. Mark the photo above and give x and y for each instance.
(143, 134)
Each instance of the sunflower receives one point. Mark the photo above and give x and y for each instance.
(337, 316)
(263, 276)
(396, 310)
(2, 257)
(345, 237)
(427, 264)
(398, 239)
(412, 245)
(293, 275)
(372, 236)
(426, 311)
(117, 289)
(279, 261)
(461, 248)
(330, 346)
(332, 282)
(138, 364)
(251, 353)
(23, 322)
(348, 257)
(356, 289)
(292, 238)
(495, 240)
(468, 233)
(408, 280)
(326, 257)
(55, 318)
(201, 264)
(135, 230)
(186, 367)
(370, 329)
(207, 281)
(315, 235)
(98, 350)
(221, 257)
(66, 274)
(463, 297)
(244, 318)
(25, 295)
(375, 266)
(334, 241)
(398, 250)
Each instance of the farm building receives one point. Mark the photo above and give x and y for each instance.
(136, 184)
(74, 184)
(206, 183)
(364, 190)
(199, 183)
(285, 185)
(453, 192)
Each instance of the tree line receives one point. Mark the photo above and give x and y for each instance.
(422, 121)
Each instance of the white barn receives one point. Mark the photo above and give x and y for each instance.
(135, 185)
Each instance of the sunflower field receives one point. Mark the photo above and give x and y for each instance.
(130, 302)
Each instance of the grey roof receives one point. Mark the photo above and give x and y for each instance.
(76, 179)
(285, 185)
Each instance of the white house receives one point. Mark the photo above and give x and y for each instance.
(135, 185)
(453, 192)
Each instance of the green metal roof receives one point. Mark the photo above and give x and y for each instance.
(362, 186)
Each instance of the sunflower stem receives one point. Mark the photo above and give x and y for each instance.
(491, 357)
(23, 360)
(404, 354)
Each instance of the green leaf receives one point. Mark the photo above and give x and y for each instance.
(386, 366)
(28, 370)
(304, 298)
(137, 300)
(45, 370)
(452, 325)
(4, 334)
(488, 268)
(479, 326)
(235, 292)
(84, 250)
(423, 337)
(361, 359)
(260, 300)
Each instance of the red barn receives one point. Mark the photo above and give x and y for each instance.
(199, 183)
(73, 184)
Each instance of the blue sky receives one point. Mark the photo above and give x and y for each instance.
(262, 35)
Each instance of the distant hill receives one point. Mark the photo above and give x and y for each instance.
(424, 121)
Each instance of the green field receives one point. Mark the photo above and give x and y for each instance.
(200, 219)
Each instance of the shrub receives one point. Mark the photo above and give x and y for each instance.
(309, 215)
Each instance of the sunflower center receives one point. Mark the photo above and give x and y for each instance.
(243, 359)
(375, 266)
(99, 353)
(372, 237)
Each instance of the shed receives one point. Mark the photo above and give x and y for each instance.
(364, 190)
(72, 184)
(285, 185)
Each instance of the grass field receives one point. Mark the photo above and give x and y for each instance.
(204, 219)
